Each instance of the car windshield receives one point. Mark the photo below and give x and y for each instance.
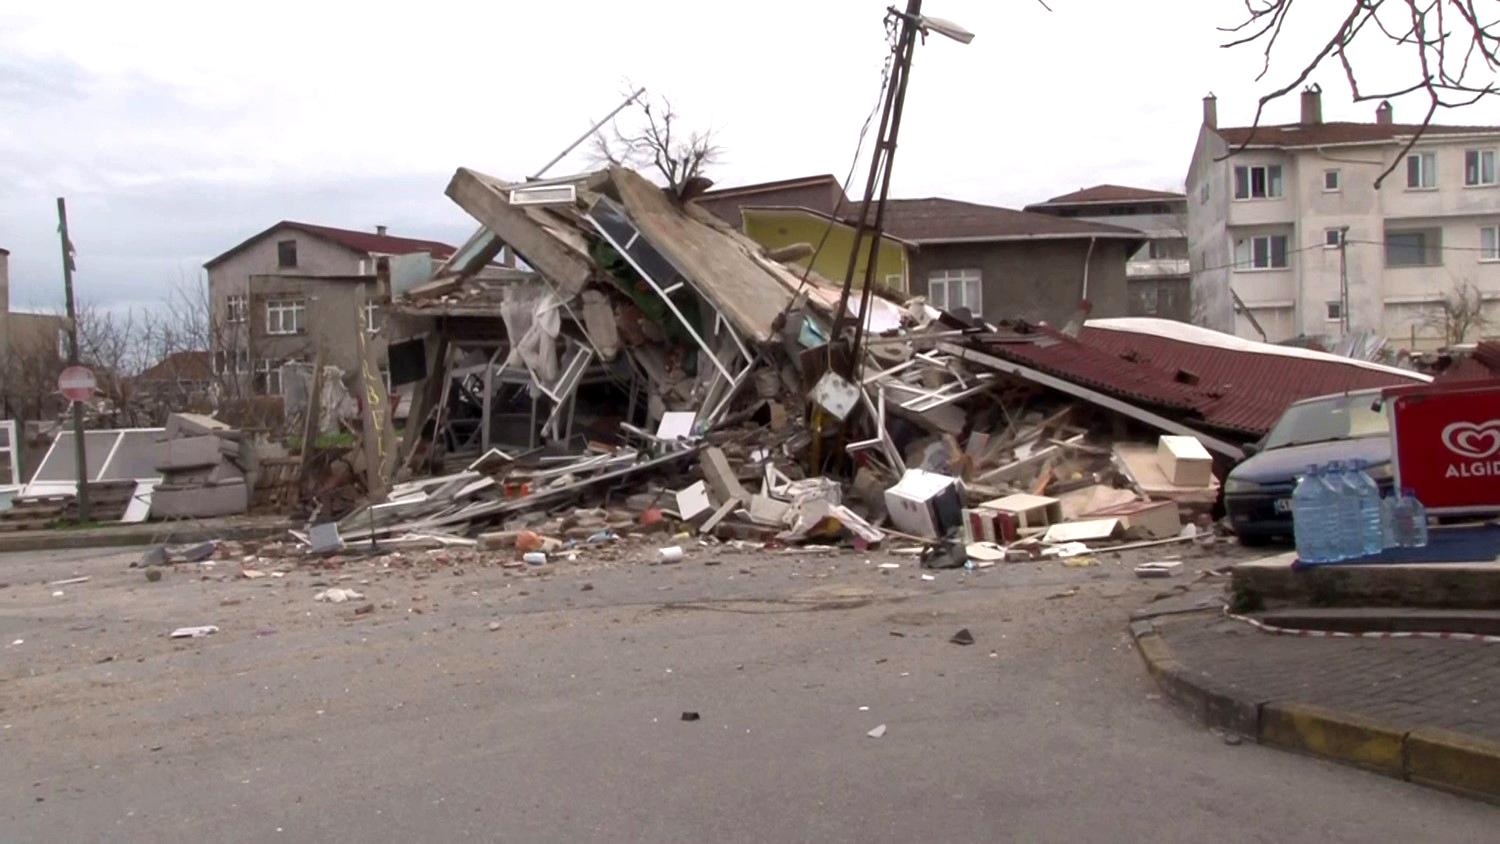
(1334, 418)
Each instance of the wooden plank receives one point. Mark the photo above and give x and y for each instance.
(486, 200)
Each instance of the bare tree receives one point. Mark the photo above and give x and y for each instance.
(1459, 314)
(659, 141)
(1452, 54)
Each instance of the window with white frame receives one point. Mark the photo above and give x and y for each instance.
(267, 377)
(895, 281)
(1257, 181)
(1330, 181)
(1332, 238)
(1421, 171)
(1479, 167)
(372, 317)
(231, 363)
(237, 307)
(284, 316)
(950, 290)
(1489, 243)
(1335, 312)
(1262, 252)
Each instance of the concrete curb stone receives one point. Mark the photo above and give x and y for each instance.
(1443, 759)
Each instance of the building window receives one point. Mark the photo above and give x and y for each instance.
(267, 377)
(229, 364)
(1421, 171)
(372, 320)
(284, 316)
(1330, 181)
(1414, 248)
(1335, 312)
(1479, 167)
(1489, 243)
(1203, 192)
(950, 290)
(238, 307)
(1266, 252)
(1259, 181)
(1332, 238)
(286, 253)
(895, 281)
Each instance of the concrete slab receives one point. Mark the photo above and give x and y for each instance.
(1430, 585)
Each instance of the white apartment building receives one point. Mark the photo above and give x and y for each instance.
(1274, 227)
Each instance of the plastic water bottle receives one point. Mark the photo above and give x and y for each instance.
(1311, 522)
(1388, 516)
(1343, 513)
(1367, 493)
(1410, 521)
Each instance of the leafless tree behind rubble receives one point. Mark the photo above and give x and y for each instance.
(1459, 315)
(1449, 51)
(659, 141)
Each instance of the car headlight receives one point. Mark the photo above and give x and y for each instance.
(1235, 485)
(1381, 471)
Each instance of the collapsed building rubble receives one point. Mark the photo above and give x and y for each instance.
(649, 362)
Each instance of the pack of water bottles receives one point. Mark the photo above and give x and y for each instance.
(1338, 514)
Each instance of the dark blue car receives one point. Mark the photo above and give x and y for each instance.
(1343, 426)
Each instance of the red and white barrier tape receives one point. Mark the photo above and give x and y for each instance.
(1341, 634)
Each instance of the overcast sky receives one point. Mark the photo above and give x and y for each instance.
(176, 130)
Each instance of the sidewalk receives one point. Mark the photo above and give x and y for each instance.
(147, 533)
(1426, 710)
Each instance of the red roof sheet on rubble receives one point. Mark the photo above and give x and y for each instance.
(1225, 388)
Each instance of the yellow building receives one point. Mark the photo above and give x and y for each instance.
(792, 211)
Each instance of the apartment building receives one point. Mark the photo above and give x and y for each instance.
(1289, 234)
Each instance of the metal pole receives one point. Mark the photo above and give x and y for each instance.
(586, 135)
(876, 161)
(909, 33)
(1344, 280)
(80, 452)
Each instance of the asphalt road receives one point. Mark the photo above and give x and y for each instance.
(302, 721)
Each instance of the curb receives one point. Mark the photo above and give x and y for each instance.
(1443, 759)
(46, 540)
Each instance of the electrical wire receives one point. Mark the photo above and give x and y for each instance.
(833, 216)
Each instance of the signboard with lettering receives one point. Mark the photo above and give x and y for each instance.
(1447, 444)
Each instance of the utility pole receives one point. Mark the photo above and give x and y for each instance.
(913, 23)
(80, 454)
(1344, 280)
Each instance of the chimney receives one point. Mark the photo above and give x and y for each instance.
(1211, 111)
(1383, 113)
(1312, 104)
(380, 230)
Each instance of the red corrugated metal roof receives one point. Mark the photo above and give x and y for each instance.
(1222, 388)
(368, 242)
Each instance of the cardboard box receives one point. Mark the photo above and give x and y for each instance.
(1184, 461)
(924, 504)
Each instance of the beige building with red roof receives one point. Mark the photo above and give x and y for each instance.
(1279, 215)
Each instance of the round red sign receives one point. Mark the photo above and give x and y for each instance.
(76, 383)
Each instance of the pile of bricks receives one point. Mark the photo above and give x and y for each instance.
(202, 467)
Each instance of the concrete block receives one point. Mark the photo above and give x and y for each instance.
(204, 451)
(765, 510)
(194, 425)
(1341, 736)
(1463, 763)
(200, 501)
